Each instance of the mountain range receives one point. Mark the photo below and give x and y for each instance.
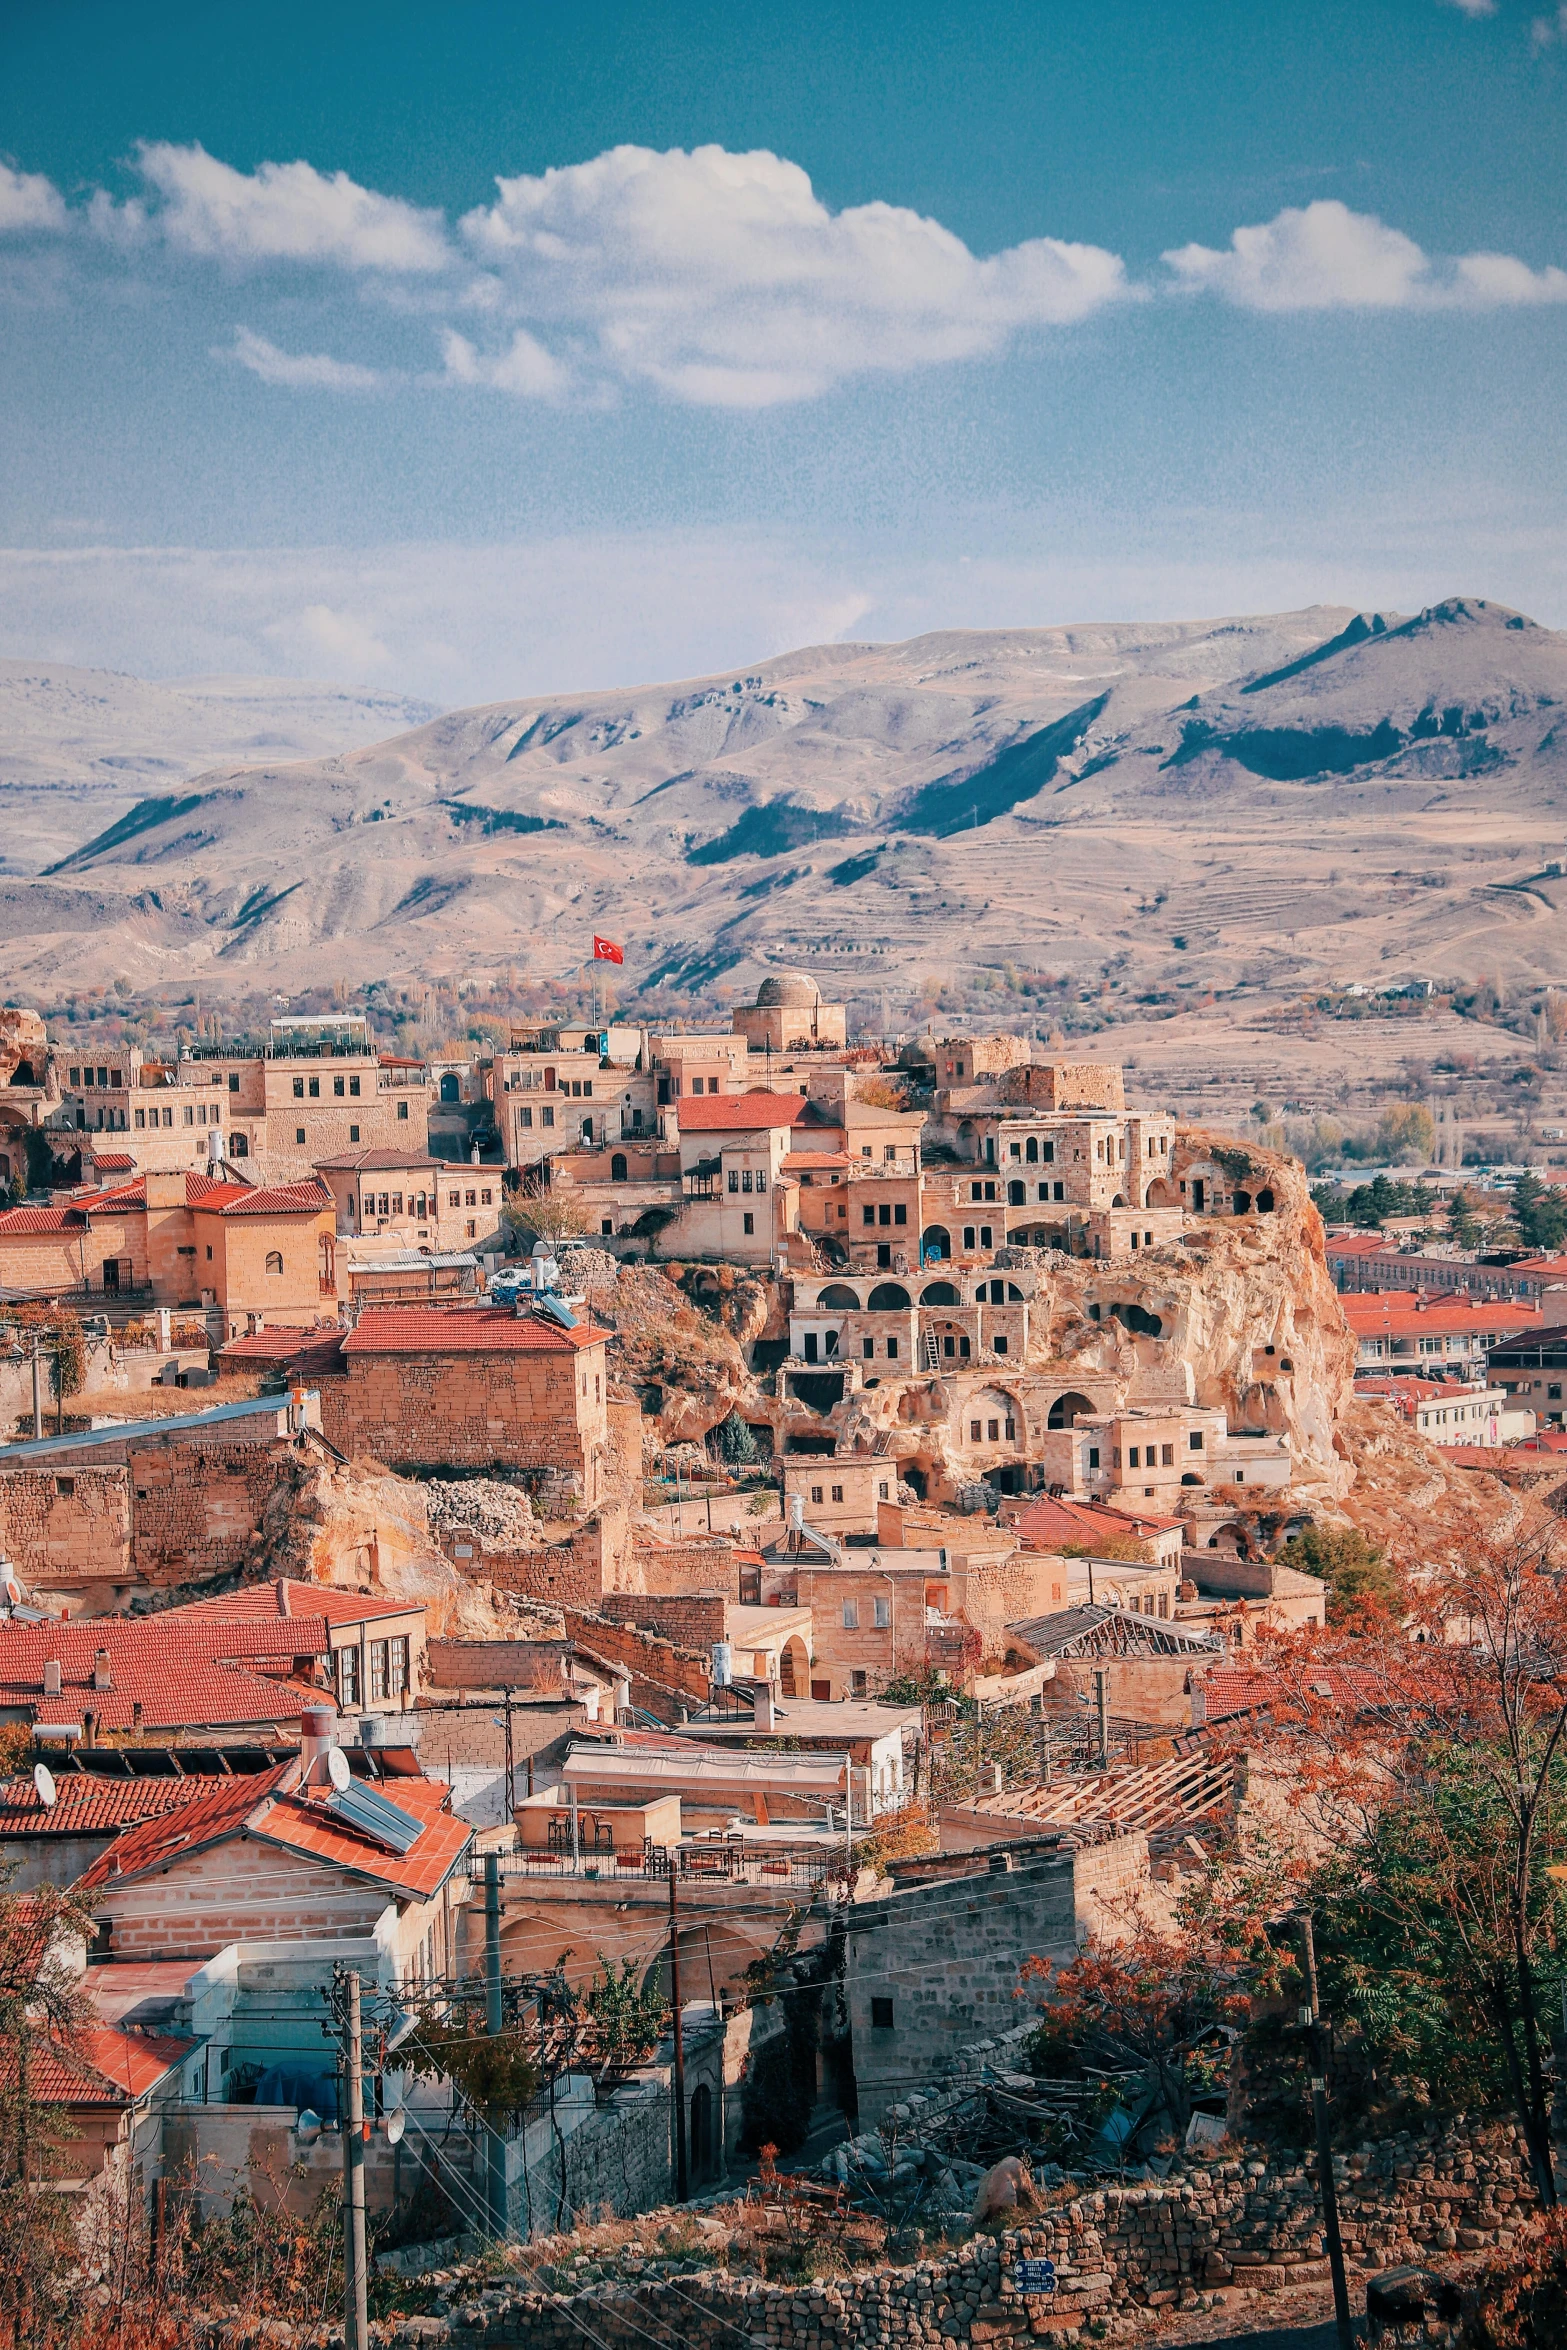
(1292, 801)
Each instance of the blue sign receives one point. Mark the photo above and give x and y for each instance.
(1034, 2276)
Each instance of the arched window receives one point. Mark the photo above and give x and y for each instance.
(937, 1243)
(617, 1167)
(839, 1296)
(888, 1298)
(1066, 1411)
(940, 1293)
(274, 1260)
(451, 1086)
(1031, 1150)
(1017, 1193)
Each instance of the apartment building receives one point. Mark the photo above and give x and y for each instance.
(1408, 1331)
(559, 1089)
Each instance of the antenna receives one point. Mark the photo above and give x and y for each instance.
(44, 1787)
(395, 2124)
(337, 1769)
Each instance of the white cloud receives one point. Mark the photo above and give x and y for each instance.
(305, 370)
(287, 212)
(29, 201)
(320, 640)
(1546, 31)
(725, 281)
(1474, 8)
(1325, 257)
(526, 369)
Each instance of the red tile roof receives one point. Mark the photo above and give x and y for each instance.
(176, 1835)
(1399, 1313)
(287, 1601)
(89, 1806)
(104, 2068)
(441, 1330)
(1054, 1519)
(175, 1679)
(271, 1809)
(738, 1113)
(312, 1353)
(276, 1199)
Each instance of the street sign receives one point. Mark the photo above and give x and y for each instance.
(1034, 2276)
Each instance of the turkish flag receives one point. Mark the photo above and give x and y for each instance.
(606, 951)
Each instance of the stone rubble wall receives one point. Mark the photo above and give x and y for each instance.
(1121, 2254)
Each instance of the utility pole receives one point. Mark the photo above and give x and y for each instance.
(356, 2306)
(495, 2145)
(511, 1768)
(1102, 1705)
(1317, 2043)
(682, 2184)
(38, 1392)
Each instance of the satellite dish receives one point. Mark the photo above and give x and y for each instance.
(307, 2129)
(337, 1769)
(44, 1786)
(396, 2123)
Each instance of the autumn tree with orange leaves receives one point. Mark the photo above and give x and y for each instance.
(1432, 1759)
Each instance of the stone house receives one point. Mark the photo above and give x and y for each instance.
(318, 1087)
(475, 1387)
(789, 1016)
(560, 1088)
(397, 1192)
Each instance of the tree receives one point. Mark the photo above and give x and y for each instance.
(1162, 1998)
(1262, 1112)
(1540, 1213)
(42, 2015)
(554, 1217)
(1360, 1581)
(1433, 1757)
(1464, 1226)
(1407, 1132)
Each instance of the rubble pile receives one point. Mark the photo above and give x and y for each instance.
(494, 1515)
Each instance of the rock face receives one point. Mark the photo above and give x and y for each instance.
(24, 1046)
(360, 1528)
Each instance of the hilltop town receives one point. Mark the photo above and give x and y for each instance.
(687, 1561)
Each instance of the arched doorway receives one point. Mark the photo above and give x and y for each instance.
(940, 1293)
(838, 1297)
(793, 1668)
(451, 1086)
(1243, 1203)
(1162, 1193)
(617, 1167)
(1264, 1203)
(1066, 1411)
(936, 1243)
(888, 1297)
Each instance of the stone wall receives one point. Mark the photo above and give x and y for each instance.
(540, 1409)
(1218, 2232)
(658, 1668)
(692, 1619)
(84, 1531)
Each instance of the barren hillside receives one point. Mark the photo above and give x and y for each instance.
(1295, 799)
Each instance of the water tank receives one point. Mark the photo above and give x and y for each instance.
(723, 1664)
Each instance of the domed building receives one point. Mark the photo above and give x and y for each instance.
(789, 1016)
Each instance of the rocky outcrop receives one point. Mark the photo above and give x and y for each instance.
(360, 1528)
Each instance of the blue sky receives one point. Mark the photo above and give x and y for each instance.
(485, 350)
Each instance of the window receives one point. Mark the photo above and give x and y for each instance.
(346, 1662)
(299, 1089)
(274, 1260)
(397, 1665)
(892, 1350)
(734, 1179)
(1059, 1191)
(1011, 1431)
(546, 1116)
(337, 1087)
(315, 1089)
(1093, 1456)
(851, 1615)
(454, 1199)
(377, 1670)
(900, 1213)
(141, 1117)
(859, 1685)
(471, 1200)
(402, 1110)
(233, 1081)
(353, 1087)
(884, 1491)
(761, 1178)
(976, 1191)
(1194, 1441)
(299, 1134)
(486, 1199)
(65, 1486)
(881, 2015)
(699, 1085)
(816, 1493)
(525, 1116)
(1014, 1150)
(973, 1431)
(749, 1221)
(999, 1342)
(353, 1134)
(76, 1076)
(746, 1182)
(868, 1348)
(190, 1114)
(869, 1215)
(984, 1236)
(471, 1230)
(968, 1236)
(993, 1431)
(837, 1493)
(239, 1147)
(1017, 1193)
(1166, 1456)
(881, 1610)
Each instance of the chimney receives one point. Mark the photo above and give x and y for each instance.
(762, 1692)
(51, 1676)
(102, 1677)
(317, 1737)
(281, 1588)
